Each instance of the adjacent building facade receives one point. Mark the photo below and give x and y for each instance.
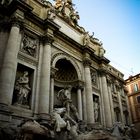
(133, 92)
(43, 50)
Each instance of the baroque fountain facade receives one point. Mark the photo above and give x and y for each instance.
(55, 81)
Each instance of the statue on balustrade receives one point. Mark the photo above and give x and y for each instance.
(101, 50)
(86, 39)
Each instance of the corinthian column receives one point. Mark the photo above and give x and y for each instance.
(88, 91)
(8, 71)
(45, 77)
(107, 110)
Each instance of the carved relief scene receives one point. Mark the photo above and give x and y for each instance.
(94, 78)
(29, 45)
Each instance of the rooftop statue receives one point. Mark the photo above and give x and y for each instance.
(58, 4)
(51, 13)
(101, 50)
(64, 8)
(86, 39)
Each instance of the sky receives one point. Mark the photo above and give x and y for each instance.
(117, 24)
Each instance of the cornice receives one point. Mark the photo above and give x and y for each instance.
(87, 62)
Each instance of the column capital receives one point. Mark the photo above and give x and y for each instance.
(47, 39)
(87, 61)
(17, 18)
(17, 22)
(103, 70)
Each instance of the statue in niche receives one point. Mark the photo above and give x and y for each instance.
(29, 45)
(86, 39)
(64, 95)
(22, 87)
(96, 109)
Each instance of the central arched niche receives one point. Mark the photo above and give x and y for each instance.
(65, 75)
(66, 71)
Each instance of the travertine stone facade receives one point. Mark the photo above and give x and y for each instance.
(43, 49)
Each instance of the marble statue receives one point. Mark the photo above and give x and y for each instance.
(74, 17)
(68, 2)
(86, 39)
(101, 51)
(51, 13)
(59, 121)
(96, 109)
(130, 131)
(64, 95)
(58, 4)
(22, 87)
(117, 129)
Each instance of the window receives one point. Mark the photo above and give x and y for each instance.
(138, 99)
(135, 87)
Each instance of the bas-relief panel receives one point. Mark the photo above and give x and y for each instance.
(30, 46)
(94, 78)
